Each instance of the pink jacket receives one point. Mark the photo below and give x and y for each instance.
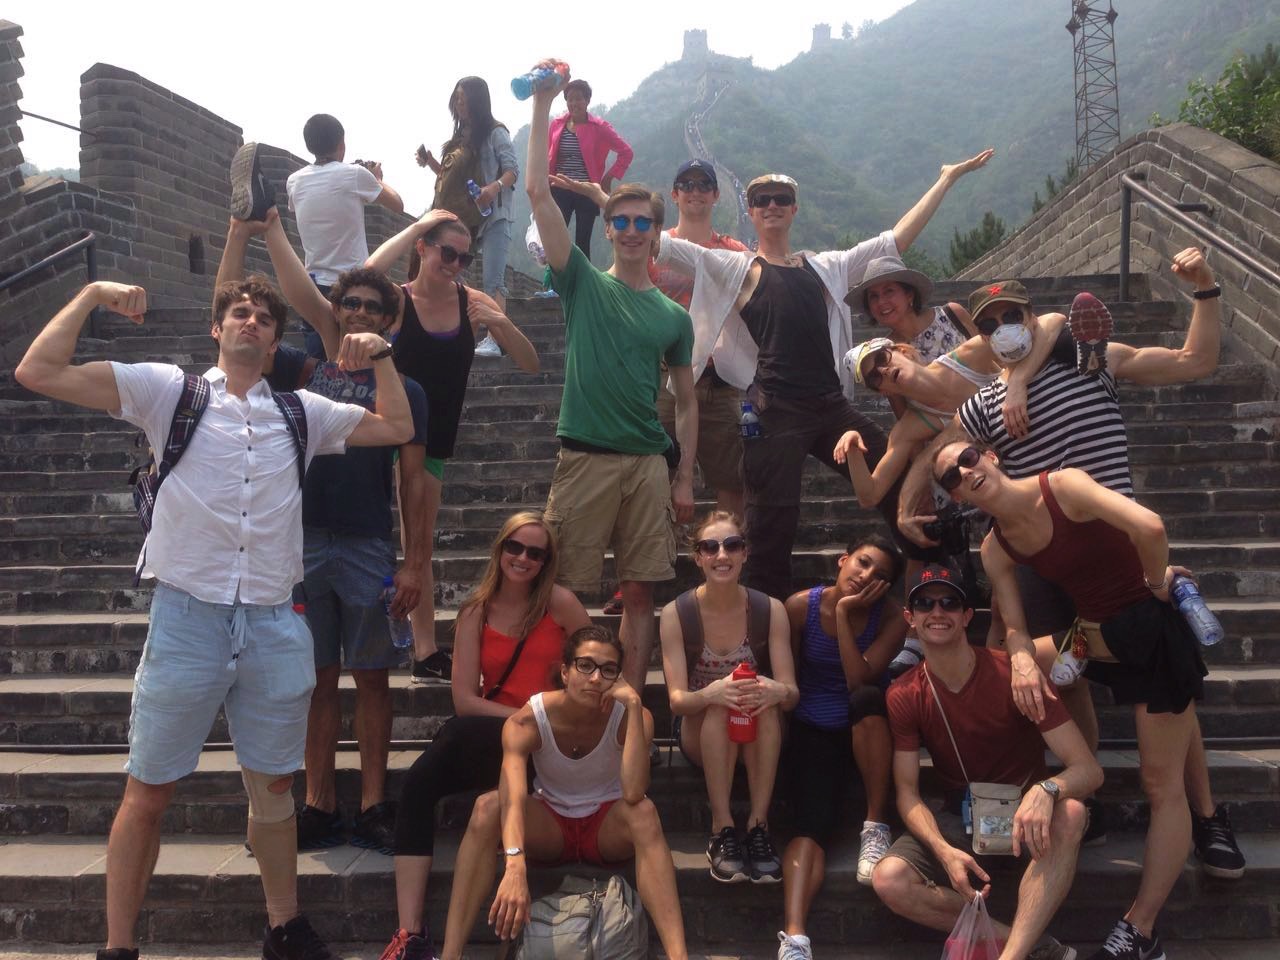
(596, 138)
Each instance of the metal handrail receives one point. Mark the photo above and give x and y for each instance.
(1177, 212)
(85, 243)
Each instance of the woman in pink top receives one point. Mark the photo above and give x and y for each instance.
(578, 146)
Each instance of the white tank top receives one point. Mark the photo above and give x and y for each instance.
(577, 788)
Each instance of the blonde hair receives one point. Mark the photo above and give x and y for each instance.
(715, 516)
(542, 585)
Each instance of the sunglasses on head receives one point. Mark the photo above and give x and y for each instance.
(586, 666)
(987, 324)
(762, 200)
(620, 222)
(879, 361)
(514, 548)
(711, 548)
(950, 603)
(448, 255)
(690, 186)
(372, 307)
(950, 478)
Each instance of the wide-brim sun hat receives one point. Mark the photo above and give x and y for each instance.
(885, 270)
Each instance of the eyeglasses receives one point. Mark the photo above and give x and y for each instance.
(586, 666)
(987, 324)
(620, 222)
(762, 200)
(448, 254)
(950, 478)
(949, 603)
(879, 361)
(372, 307)
(691, 186)
(711, 548)
(514, 548)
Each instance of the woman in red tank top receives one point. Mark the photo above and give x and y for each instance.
(1111, 555)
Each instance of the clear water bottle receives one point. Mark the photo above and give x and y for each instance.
(523, 86)
(749, 422)
(474, 189)
(1204, 624)
(401, 630)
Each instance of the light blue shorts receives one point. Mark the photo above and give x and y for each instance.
(495, 246)
(343, 585)
(255, 661)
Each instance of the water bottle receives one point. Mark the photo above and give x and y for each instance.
(749, 423)
(474, 189)
(742, 728)
(401, 630)
(523, 86)
(1186, 596)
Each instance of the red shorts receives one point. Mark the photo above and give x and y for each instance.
(581, 835)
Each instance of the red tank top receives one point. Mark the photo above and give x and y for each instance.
(1096, 563)
(535, 670)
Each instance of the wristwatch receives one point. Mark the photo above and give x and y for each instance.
(1050, 788)
(513, 851)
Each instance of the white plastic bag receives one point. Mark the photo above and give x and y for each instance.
(533, 240)
(974, 936)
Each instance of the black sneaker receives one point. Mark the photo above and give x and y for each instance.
(319, 829)
(766, 866)
(375, 828)
(1095, 834)
(1215, 845)
(724, 853)
(437, 668)
(118, 953)
(1091, 327)
(251, 193)
(296, 940)
(1126, 943)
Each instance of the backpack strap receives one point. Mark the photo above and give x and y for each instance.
(759, 610)
(955, 321)
(186, 415)
(295, 418)
(690, 627)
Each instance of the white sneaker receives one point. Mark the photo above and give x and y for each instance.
(488, 347)
(909, 656)
(875, 844)
(1067, 668)
(794, 948)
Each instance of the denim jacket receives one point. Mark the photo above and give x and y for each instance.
(497, 156)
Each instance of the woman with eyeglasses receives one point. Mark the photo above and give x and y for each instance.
(589, 743)
(508, 638)
(706, 633)
(434, 340)
(1111, 555)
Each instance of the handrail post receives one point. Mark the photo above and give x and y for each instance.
(1126, 200)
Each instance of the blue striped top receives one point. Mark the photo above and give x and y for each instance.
(824, 695)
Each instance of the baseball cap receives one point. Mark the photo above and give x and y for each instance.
(1002, 290)
(853, 359)
(939, 573)
(698, 166)
(780, 179)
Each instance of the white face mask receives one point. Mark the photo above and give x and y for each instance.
(1011, 342)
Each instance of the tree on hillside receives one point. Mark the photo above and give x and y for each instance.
(969, 247)
(1054, 187)
(1242, 105)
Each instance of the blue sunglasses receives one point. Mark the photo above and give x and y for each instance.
(620, 222)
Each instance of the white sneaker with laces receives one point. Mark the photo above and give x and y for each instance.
(488, 347)
(874, 845)
(794, 947)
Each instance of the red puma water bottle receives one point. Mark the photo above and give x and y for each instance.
(742, 728)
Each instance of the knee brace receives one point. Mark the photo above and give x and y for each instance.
(265, 804)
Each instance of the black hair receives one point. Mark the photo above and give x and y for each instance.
(886, 546)
(479, 114)
(917, 301)
(591, 633)
(367, 277)
(581, 86)
(322, 134)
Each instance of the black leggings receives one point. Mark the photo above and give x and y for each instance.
(587, 211)
(466, 754)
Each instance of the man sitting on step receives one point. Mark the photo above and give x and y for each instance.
(225, 547)
(347, 539)
(959, 706)
(1076, 421)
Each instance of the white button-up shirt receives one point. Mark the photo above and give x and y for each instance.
(228, 519)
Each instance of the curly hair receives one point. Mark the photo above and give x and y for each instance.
(258, 290)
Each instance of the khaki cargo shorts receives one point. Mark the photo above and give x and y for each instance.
(719, 431)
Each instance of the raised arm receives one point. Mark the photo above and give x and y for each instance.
(861, 669)
(482, 309)
(390, 422)
(296, 284)
(387, 196)
(1014, 409)
(914, 220)
(552, 230)
(397, 248)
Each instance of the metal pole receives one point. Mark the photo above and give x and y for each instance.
(1126, 196)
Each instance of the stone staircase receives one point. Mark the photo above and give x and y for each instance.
(72, 628)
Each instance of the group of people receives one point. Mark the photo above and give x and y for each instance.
(1015, 414)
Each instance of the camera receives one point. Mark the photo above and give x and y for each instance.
(951, 529)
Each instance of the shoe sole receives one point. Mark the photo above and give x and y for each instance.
(765, 879)
(1091, 328)
(242, 181)
(1222, 873)
(429, 681)
(370, 845)
(738, 877)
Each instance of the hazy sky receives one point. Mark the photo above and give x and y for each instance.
(267, 66)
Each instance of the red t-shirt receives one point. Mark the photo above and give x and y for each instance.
(998, 744)
(534, 672)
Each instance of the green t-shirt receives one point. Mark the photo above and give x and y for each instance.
(616, 339)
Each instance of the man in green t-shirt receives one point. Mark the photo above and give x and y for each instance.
(611, 486)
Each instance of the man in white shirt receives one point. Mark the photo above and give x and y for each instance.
(225, 547)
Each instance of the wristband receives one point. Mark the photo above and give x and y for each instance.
(1214, 291)
(381, 354)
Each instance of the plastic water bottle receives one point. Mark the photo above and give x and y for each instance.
(401, 630)
(1204, 624)
(742, 728)
(474, 189)
(523, 86)
(749, 422)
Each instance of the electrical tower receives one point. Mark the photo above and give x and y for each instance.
(1097, 97)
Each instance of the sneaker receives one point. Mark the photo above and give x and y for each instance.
(1095, 834)
(319, 829)
(296, 940)
(375, 828)
(1052, 949)
(871, 850)
(251, 193)
(613, 608)
(437, 668)
(795, 947)
(408, 946)
(488, 347)
(1067, 668)
(118, 953)
(1126, 943)
(724, 853)
(546, 295)
(1215, 845)
(1091, 326)
(909, 656)
(762, 856)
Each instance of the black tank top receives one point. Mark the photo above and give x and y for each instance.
(787, 317)
(441, 363)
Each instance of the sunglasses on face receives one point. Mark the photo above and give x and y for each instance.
(448, 255)
(372, 307)
(711, 548)
(514, 548)
(586, 666)
(948, 603)
(950, 478)
(762, 200)
(879, 362)
(690, 186)
(620, 222)
(987, 324)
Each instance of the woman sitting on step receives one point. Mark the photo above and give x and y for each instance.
(508, 639)
(706, 633)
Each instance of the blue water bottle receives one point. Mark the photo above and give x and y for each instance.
(1204, 624)
(401, 630)
(749, 422)
(522, 87)
(474, 189)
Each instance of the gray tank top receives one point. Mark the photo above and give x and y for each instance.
(577, 788)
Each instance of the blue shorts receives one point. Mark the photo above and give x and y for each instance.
(254, 661)
(343, 585)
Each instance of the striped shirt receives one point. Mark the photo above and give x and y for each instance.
(569, 161)
(1075, 422)
(824, 694)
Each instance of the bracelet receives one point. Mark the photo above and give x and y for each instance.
(1164, 582)
(1214, 291)
(381, 354)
